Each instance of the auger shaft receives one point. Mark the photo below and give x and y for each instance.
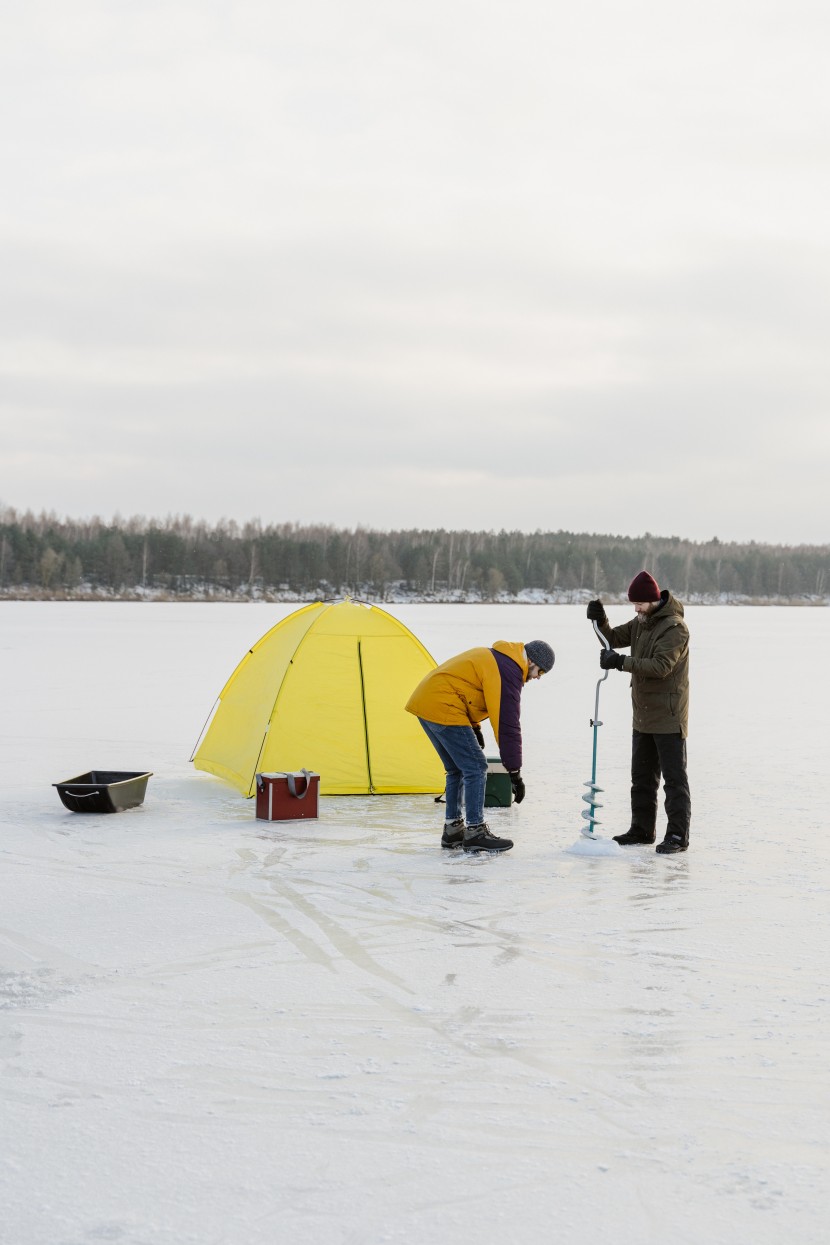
(590, 798)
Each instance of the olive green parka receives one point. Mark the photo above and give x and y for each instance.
(659, 667)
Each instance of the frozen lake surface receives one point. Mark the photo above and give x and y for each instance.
(216, 1030)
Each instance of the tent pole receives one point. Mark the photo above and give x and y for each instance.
(365, 721)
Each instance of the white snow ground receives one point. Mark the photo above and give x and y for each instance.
(217, 1030)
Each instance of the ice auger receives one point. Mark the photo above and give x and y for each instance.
(591, 797)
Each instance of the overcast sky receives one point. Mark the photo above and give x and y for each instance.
(425, 264)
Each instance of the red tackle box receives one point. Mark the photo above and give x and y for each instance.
(287, 797)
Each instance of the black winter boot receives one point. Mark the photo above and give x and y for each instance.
(671, 843)
(634, 836)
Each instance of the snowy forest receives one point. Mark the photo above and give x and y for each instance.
(45, 557)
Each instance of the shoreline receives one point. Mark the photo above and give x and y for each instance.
(578, 596)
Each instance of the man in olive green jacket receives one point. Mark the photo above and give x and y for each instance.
(659, 669)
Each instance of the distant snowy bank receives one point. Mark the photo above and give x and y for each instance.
(391, 594)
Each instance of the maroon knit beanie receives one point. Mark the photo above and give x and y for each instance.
(643, 587)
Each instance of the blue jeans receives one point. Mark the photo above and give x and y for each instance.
(466, 767)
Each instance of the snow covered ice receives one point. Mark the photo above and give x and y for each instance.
(218, 1030)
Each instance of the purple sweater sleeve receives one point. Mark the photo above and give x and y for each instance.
(510, 729)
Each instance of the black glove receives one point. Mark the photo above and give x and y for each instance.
(595, 611)
(517, 785)
(610, 659)
(478, 734)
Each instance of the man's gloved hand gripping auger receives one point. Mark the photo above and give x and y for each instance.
(610, 659)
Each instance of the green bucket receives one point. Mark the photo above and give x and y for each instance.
(498, 793)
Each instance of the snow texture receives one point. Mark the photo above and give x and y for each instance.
(219, 1030)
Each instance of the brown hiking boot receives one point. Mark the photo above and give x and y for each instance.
(480, 839)
(453, 835)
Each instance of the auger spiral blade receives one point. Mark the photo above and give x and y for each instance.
(588, 813)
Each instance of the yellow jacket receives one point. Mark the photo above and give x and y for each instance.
(481, 683)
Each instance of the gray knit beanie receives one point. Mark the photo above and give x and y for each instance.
(541, 654)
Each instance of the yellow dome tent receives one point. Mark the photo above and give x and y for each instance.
(325, 690)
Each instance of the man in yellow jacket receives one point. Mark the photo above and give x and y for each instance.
(452, 702)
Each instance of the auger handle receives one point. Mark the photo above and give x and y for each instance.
(601, 637)
(604, 675)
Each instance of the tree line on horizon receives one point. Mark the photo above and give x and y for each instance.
(50, 557)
